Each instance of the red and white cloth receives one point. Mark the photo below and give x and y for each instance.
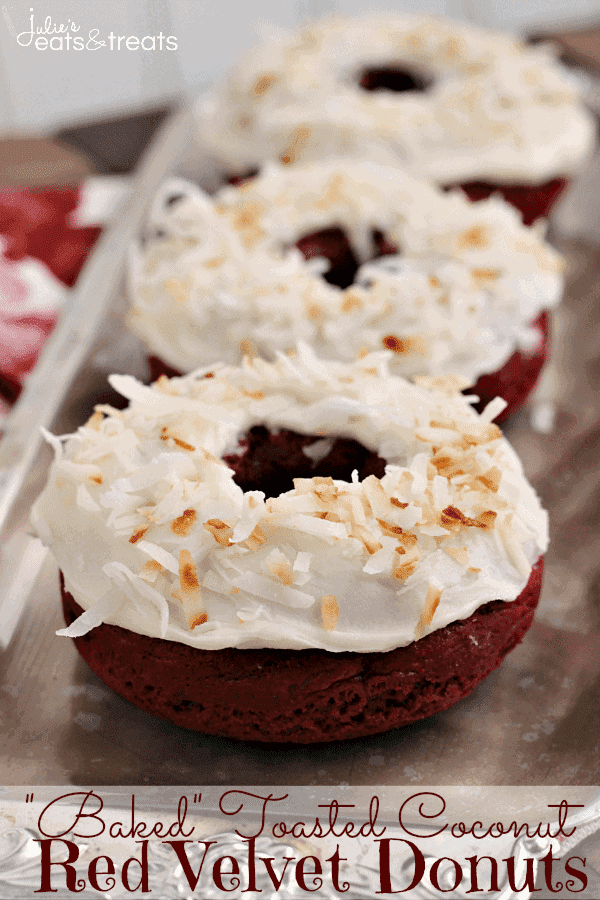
(45, 237)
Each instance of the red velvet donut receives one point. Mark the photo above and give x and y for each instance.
(306, 696)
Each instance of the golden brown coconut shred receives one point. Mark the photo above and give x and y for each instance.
(190, 594)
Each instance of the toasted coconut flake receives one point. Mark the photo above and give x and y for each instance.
(95, 421)
(453, 519)
(152, 567)
(265, 82)
(165, 436)
(294, 149)
(278, 563)
(405, 570)
(486, 519)
(188, 577)
(254, 395)
(408, 541)
(351, 302)
(432, 601)
(459, 554)
(254, 540)
(478, 432)
(491, 479)
(475, 238)
(138, 534)
(284, 573)
(389, 529)
(408, 344)
(221, 531)
(184, 523)
(330, 611)
(189, 591)
(325, 489)
(183, 444)
(372, 545)
(395, 502)
(179, 290)
(448, 464)
(486, 274)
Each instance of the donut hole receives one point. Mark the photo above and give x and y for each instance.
(334, 245)
(399, 79)
(269, 461)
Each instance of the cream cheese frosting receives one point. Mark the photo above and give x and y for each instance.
(213, 275)
(495, 109)
(153, 534)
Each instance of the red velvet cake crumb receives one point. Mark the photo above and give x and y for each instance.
(305, 696)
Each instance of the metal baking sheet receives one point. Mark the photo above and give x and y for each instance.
(535, 721)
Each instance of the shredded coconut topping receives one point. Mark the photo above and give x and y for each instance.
(460, 296)
(495, 108)
(168, 545)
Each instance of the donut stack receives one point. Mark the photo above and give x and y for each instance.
(310, 527)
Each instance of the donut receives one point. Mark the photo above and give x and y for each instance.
(449, 102)
(293, 551)
(448, 286)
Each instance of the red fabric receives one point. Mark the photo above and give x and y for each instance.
(35, 223)
(306, 696)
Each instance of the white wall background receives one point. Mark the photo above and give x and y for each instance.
(43, 89)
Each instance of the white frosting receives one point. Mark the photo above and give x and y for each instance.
(153, 534)
(497, 109)
(460, 298)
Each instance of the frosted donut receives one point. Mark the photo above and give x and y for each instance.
(447, 101)
(459, 297)
(299, 505)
